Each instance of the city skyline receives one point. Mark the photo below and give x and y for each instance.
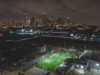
(80, 11)
(49, 37)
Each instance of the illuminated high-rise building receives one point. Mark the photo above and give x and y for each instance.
(8, 25)
(4, 24)
(60, 21)
(68, 20)
(13, 23)
(32, 21)
(25, 20)
(44, 16)
(36, 23)
(40, 21)
(50, 21)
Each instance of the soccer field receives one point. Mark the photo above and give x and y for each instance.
(51, 62)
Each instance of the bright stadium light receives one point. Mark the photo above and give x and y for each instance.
(97, 64)
(77, 65)
(31, 30)
(62, 65)
(71, 35)
(22, 30)
(82, 67)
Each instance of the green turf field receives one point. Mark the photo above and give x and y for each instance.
(51, 62)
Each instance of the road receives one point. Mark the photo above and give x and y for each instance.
(36, 71)
(30, 71)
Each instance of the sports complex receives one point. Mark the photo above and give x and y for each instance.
(52, 61)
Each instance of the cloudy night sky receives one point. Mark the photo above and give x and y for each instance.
(80, 11)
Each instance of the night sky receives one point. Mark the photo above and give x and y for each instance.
(81, 11)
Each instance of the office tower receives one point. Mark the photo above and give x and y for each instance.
(13, 23)
(50, 21)
(60, 21)
(44, 16)
(68, 21)
(32, 21)
(25, 20)
(40, 20)
(36, 23)
(8, 25)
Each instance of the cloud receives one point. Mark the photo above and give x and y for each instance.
(81, 11)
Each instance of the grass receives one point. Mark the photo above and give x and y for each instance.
(51, 62)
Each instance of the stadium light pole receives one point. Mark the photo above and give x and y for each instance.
(90, 59)
(2, 67)
(64, 44)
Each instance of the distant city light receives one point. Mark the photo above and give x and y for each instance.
(71, 24)
(43, 25)
(91, 38)
(85, 37)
